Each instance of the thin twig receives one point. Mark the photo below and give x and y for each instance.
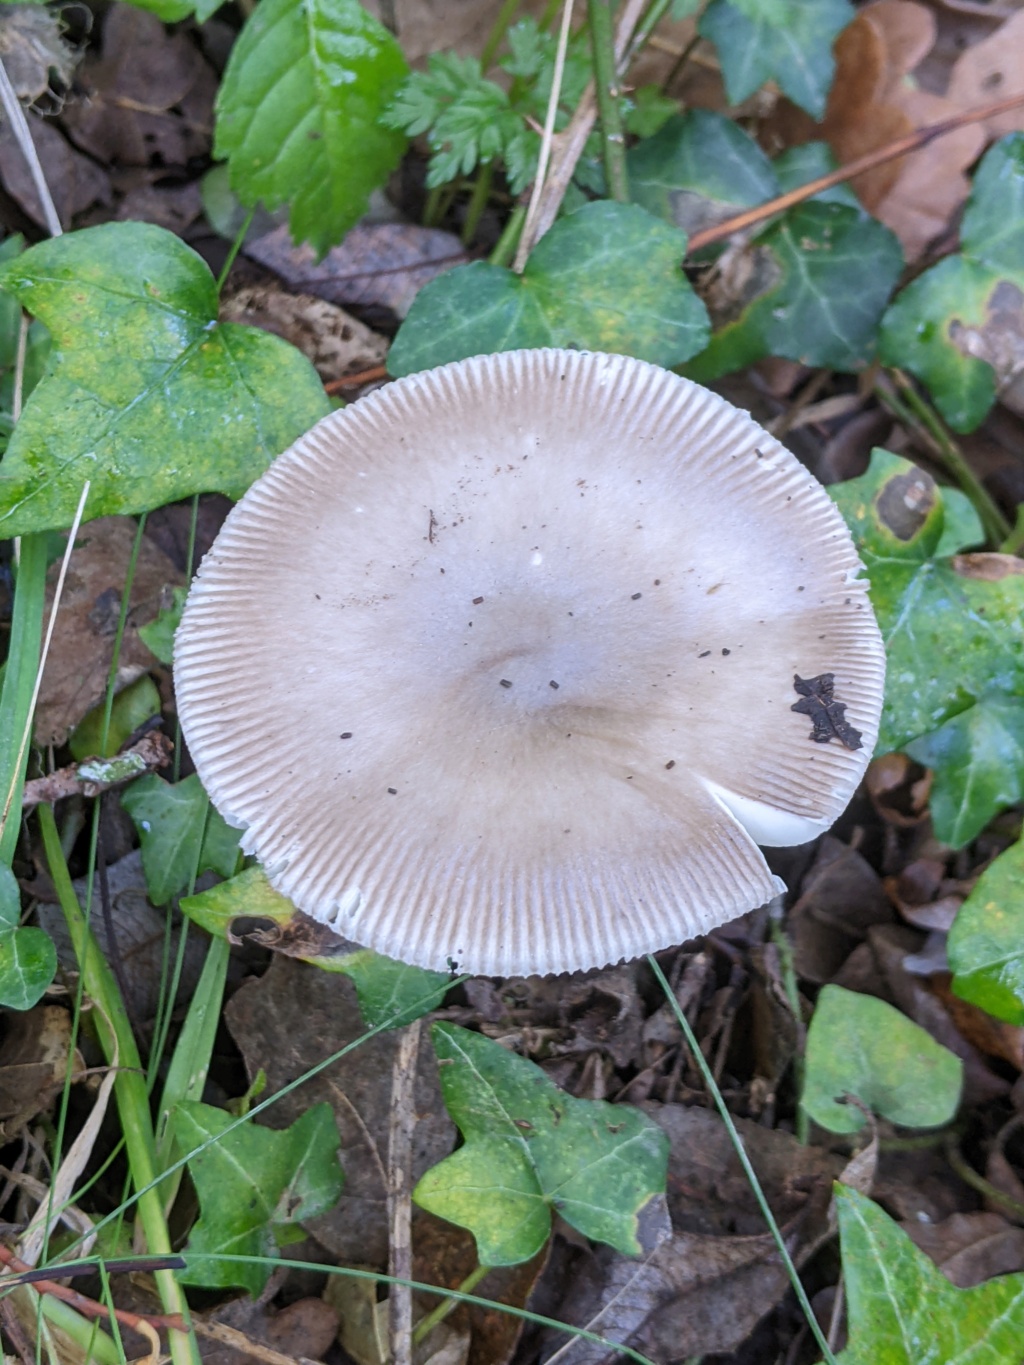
(528, 235)
(402, 1121)
(900, 147)
(95, 775)
(23, 136)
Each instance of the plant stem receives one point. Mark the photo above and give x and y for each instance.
(792, 989)
(647, 25)
(607, 83)
(1014, 542)
(119, 1047)
(477, 201)
(426, 1325)
(506, 14)
(235, 248)
(911, 408)
(505, 247)
(748, 1170)
(19, 684)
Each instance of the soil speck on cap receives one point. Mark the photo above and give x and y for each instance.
(505, 682)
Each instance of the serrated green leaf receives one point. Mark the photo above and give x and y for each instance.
(179, 832)
(958, 326)
(903, 1311)
(953, 630)
(986, 942)
(158, 635)
(649, 110)
(699, 170)
(298, 113)
(389, 992)
(529, 1149)
(861, 1046)
(254, 1186)
(147, 395)
(978, 758)
(28, 959)
(788, 41)
(580, 288)
(800, 290)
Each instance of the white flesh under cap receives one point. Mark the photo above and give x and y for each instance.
(496, 666)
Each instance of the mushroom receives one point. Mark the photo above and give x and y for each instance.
(496, 667)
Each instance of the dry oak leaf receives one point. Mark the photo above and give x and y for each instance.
(992, 69)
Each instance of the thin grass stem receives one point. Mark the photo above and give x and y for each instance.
(499, 28)
(613, 134)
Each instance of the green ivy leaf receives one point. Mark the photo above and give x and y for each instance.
(800, 290)
(388, 992)
(954, 634)
(299, 113)
(147, 395)
(28, 959)
(986, 942)
(529, 1149)
(809, 161)
(788, 41)
(952, 326)
(580, 288)
(254, 1185)
(699, 170)
(174, 822)
(133, 706)
(903, 1311)
(158, 635)
(859, 1045)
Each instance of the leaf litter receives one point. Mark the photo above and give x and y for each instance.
(871, 905)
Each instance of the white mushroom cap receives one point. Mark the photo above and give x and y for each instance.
(497, 665)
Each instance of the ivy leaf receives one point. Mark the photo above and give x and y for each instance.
(861, 1046)
(954, 634)
(28, 959)
(529, 1149)
(903, 1311)
(175, 822)
(580, 288)
(389, 992)
(147, 395)
(809, 161)
(800, 290)
(986, 942)
(699, 170)
(158, 635)
(254, 1185)
(133, 706)
(298, 113)
(957, 326)
(788, 41)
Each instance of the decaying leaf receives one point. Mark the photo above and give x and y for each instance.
(336, 343)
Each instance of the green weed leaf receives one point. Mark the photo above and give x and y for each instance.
(530, 1149)
(954, 634)
(388, 992)
(788, 41)
(28, 959)
(254, 1185)
(299, 113)
(133, 706)
(801, 291)
(158, 635)
(175, 822)
(903, 1311)
(581, 287)
(147, 395)
(858, 1045)
(953, 325)
(986, 942)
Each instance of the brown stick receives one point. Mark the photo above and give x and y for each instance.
(152, 751)
(902, 145)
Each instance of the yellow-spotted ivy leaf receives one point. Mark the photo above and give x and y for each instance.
(698, 170)
(180, 834)
(580, 288)
(255, 1187)
(299, 113)
(787, 41)
(389, 993)
(531, 1150)
(903, 1311)
(800, 289)
(146, 395)
(986, 942)
(958, 326)
(28, 959)
(860, 1046)
(953, 626)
